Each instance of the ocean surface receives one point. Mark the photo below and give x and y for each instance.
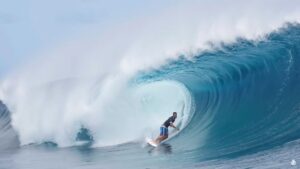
(238, 106)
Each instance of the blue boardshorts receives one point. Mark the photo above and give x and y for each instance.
(163, 131)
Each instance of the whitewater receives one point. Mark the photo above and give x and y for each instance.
(231, 70)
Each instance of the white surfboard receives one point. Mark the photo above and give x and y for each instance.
(151, 142)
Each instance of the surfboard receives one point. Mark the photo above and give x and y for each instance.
(151, 142)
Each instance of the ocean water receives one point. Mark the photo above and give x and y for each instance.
(238, 105)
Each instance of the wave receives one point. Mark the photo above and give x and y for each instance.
(237, 79)
(238, 99)
(246, 96)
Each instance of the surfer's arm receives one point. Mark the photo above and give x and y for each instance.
(172, 125)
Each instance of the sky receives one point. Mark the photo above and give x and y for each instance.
(31, 26)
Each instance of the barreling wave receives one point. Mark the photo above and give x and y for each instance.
(246, 95)
(238, 99)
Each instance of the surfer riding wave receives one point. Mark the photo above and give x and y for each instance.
(164, 128)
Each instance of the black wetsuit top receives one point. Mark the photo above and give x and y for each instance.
(169, 121)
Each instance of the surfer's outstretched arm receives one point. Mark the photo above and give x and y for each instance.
(172, 125)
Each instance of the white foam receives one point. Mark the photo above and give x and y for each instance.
(113, 112)
(186, 27)
(293, 162)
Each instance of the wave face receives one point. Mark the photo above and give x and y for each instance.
(239, 99)
(246, 96)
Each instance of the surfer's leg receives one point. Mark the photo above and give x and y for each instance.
(163, 135)
(163, 138)
(159, 138)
